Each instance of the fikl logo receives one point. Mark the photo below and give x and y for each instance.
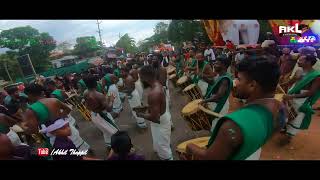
(293, 30)
(43, 151)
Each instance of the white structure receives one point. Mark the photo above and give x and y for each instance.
(248, 29)
(65, 61)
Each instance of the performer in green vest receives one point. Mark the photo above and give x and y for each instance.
(303, 95)
(191, 66)
(217, 96)
(43, 111)
(205, 75)
(241, 134)
(82, 86)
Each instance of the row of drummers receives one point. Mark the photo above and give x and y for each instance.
(208, 101)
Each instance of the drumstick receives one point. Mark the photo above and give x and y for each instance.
(280, 88)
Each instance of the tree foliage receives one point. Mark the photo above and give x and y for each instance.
(176, 32)
(86, 46)
(28, 40)
(126, 42)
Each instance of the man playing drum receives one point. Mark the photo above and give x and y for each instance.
(161, 74)
(75, 135)
(304, 93)
(287, 64)
(205, 74)
(241, 134)
(157, 113)
(100, 106)
(217, 95)
(134, 99)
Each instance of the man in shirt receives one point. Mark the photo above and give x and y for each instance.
(209, 54)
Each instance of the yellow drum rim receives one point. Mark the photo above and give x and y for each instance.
(191, 108)
(202, 142)
(182, 80)
(189, 87)
(279, 97)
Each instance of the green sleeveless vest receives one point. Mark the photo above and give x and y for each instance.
(42, 112)
(214, 88)
(256, 124)
(58, 94)
(196, 78)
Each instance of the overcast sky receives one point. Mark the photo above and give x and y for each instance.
(69, 30)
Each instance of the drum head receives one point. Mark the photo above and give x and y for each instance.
(201, 142)
(279, 97)
(182, 80)
(189, 87)
(191, 108)
(172, 76)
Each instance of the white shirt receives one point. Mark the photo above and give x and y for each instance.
(208, 52)
(117, 104)
(239, 57)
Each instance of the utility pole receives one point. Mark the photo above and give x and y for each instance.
(99, 31)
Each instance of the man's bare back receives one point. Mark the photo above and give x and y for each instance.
(156, 98)
(163, 76)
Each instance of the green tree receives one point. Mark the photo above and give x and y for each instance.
(9, 61)
(186, 30)
(127, 43)
(86, 46)
(28, 40)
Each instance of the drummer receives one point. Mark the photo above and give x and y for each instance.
(157, 113)
(161, 74)
(75, 136)
(205, 74)
(100, 106)
(241, 134)
(217, 95)
(190, 67)
(303, 95)
(132, 89)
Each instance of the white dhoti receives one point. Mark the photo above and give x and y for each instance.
(75, 136)
(134, 101)
(255, 155)
(161, 134)
(293, 127)
(224, 111)
(14, 138)
(107, 128)
(203, 87)
(139, 88)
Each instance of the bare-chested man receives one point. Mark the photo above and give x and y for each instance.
(134, 99)
(162, 76)
(287, 64)
(157, 113)
(100, 106)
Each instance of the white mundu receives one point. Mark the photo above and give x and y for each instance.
(203, 87)
(161, 134)
(134, 100)
(107, 128)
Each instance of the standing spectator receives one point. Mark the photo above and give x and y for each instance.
(209, 54)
